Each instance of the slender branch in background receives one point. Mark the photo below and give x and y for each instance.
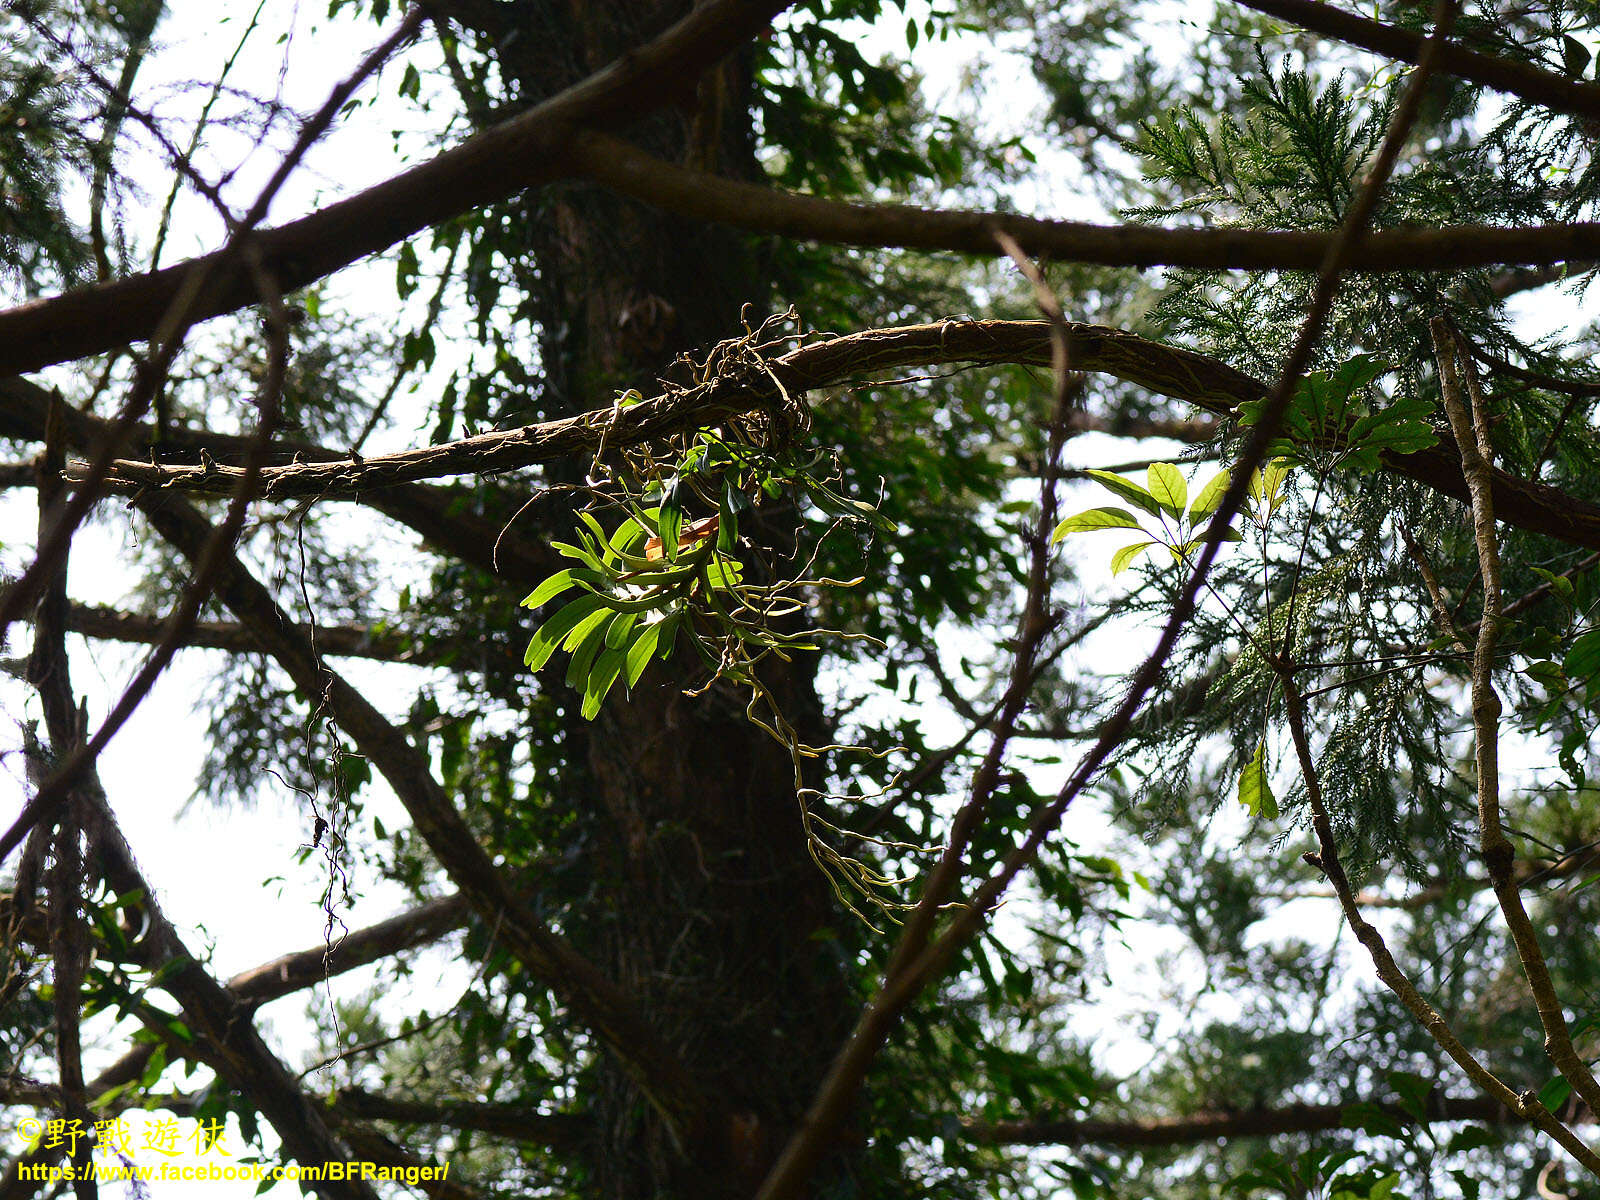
(1469, 421)
(494, 165)
(376, 642)
(142, 26)
(698, 195)
(435, 306)
(1505, 75)
(594, 999)
(1191, 1129)
(1528, 873)
(57, 789)
(1525, 1105)
(1526, 279)
(1442, 615)
(1033, 626)
(177, 316)
(838, 1090)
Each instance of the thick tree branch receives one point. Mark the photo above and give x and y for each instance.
(695, 194)
(441, 517)
(1505, 75)
(495, 164)
(419, 926)
(1219, 1126)
(1163, 369)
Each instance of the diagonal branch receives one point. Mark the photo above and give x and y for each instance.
(494, 165)
(877, 1021)
(1469, 420)
(236, 1047)
(595, 1000)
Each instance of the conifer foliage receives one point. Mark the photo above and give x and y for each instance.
(685, 580)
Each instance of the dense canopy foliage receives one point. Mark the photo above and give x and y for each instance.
(664, 531)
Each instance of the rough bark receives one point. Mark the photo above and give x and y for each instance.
(711, 909)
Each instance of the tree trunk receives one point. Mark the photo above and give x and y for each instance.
(715, 915)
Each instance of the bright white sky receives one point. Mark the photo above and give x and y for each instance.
(211, 868)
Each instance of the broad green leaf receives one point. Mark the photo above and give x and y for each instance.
(1168, 487)
(1122, 558)
(601, 677)
(550, 635)
(1210, 496)
(1266, 485)
(1128, 490)
(1254, 791)
(1095, 518)
(1559, 584)
(1575, 55)
(1554, 1094)
(1582, 663)
(1413, 1090)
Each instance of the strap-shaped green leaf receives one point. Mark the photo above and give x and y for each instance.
(642, 650)
(601, 676)
(670, 518)
(617, 632)
(586, 641)
(553, 632)
(1168, 487)
(560, 582)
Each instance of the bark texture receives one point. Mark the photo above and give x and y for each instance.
(710, 911)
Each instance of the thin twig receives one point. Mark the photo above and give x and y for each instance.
(1471, 429)
(851, 1064)
(1525, 1104)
